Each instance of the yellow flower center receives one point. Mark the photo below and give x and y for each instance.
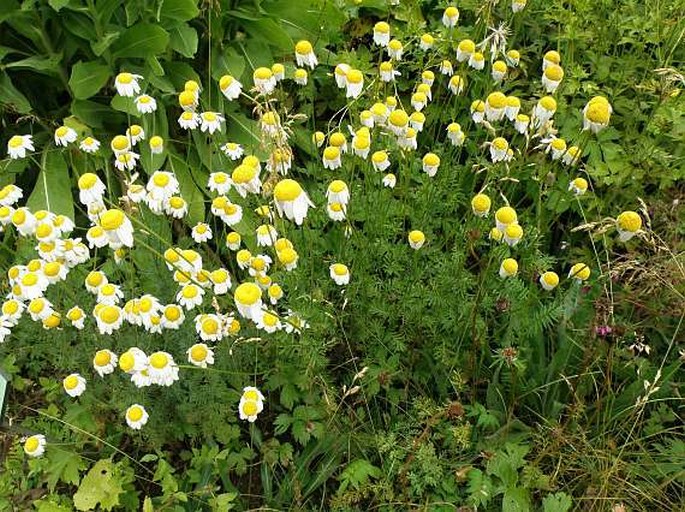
(135, 413)
(431, 159)
(29, 279)
(127, 361)
(94, 279)
(417, 236)
(243, 174)
(287, 190)
(506, 215)
(598, 112)
(355, 76)
(250, 408)
(382, 27)
(186, 99)
(262, 74)
(52, 269)
(124, 78)
(553, 56)
(43, 230)
(339, 269)
(554, 73)
(109, 314)
(629, 221)
(500, 66)
(248, 294)
(510, 266)
(550, 278)
(31, 444)
(102, 358)
(287, 255)
(451, 12)
(398, 118)
(198, 352)
(514, 231)
(159, 360)
(120, 143)
(500, 143)
(548, 103)
(16, 141)
(71, 382)
(10, 307)
(481, 203)
(112, 219)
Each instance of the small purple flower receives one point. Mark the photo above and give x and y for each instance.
(603, 330)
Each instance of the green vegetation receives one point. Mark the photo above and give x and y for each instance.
(419, 358)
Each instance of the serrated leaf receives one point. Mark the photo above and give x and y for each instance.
(358, 473)
(141, 40)
(516, 499)
(101, 486)
(64, 467)
(49, 506)
(53, 188)
(87, 78)
(147, 505)
(480, 487)
(557, 502)
(58, 4)
(183, 39)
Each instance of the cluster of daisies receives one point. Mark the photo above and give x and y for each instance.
(383, 123)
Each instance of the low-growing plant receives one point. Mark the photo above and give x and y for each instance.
(342, 255)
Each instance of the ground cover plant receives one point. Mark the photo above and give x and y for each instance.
(334, 255)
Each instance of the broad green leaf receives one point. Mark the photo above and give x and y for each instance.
(184, 40)
(101, 486)
(87, 78)
(45, 65)
(179, 73)
(268, 30)
(58, 4)
(141, 40)
(95, 114)
(79, 24)
(8, 8)
(11, 97)
(177, 10)
(189, 190)
(53, 188)
(124, 104)
(227, 62)
(100, 46)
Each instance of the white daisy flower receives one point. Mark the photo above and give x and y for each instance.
(104, 362)
(127, 84)
(136, 416)
(74, 385)
(64, 136)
